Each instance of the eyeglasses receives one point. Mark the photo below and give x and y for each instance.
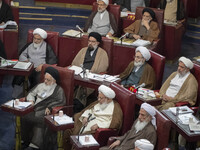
(48, 80)
(37, 39)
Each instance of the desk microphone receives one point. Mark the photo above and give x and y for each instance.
(77, 26)
(123, 36)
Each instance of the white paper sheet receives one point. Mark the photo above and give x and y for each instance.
(90, 142)
(63, 120)
(21, 105)
(182, 110)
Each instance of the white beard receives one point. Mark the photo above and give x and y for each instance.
(45, 89)
(138, 64)
(103, 106)
(140, 125)
(182, 74)
(36, 45)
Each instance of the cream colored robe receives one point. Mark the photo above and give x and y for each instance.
(188, 92)
(100, 63)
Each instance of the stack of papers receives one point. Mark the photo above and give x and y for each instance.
(185, 118)
(21, 105)
(77, 70)
(91, 141)
(22, 65)
(103, 77)
(9, 24)
(73, 33)
(141, 42)
(63, 120)
(150, 93)
(194, 127)
(182, 110)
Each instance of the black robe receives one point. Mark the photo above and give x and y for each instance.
(5, 13)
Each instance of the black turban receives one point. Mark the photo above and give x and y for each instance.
(53, 72)
(95, 35)
(150, 11)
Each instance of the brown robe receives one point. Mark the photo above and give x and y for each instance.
(148, 76)
(100, 63)
(127, 141)
(151, 35)
(188, 92)
(116, 123)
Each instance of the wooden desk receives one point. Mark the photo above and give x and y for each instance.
(9, 70)
(53, 125)
(77, 145)
(18, 113)
(182, 129)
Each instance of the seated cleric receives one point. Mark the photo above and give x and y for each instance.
(180, 86)
(101, 21)
(139, 71)
(38, 52)
(103, 113)
(93, 58)
(44, 97)
(143, 128)
(145, 29)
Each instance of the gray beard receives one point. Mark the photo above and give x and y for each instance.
(140, 125)
(138, 64)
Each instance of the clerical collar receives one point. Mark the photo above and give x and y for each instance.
(92, 52)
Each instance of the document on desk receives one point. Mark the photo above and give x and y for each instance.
(194, 127)
(77, 70)
(141, 42)
(102, 77)
(91, 141)
(185, 118)
(63, 120)
(21, 105)
(182, 110)
(22, 65)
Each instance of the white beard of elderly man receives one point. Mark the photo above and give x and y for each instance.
(44, 97)
(139, 71)
(100, 114)
(180, 86)
(143, 128)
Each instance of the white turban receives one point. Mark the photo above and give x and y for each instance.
(144, 51)
(107, 92)
(105, 1)
(41, 32)
(144, 144)
(187, 62)
(151, 111)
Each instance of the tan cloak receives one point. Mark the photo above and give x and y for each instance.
(148, 76)
(116, 123)
(188, 92)
(151, 35)
(100, 63)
